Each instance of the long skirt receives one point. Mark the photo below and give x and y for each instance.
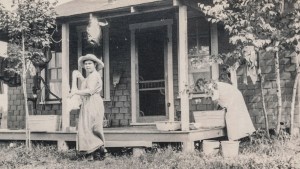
(90, 122)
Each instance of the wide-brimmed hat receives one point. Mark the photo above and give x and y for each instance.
(92, 57)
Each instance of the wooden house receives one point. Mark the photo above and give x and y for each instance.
(147, 49)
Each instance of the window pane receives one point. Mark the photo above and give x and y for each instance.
(52, 61)
(198, 50)
(53, 74)
(58, 59)
(58, 73)
(55, 87)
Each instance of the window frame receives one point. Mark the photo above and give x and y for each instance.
(46, 76)
(213, 50)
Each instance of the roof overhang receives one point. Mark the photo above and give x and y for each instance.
(81, 7)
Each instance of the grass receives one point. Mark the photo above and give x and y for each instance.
(258, 152)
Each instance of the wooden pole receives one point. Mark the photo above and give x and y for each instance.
(65, 75)
(183, 68)
(170, 92)
(292, 115)
(24, 84)
(134, 80)
(263, 96)
(279, 106)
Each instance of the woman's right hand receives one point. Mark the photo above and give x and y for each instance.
(71, 94)
(77, 74)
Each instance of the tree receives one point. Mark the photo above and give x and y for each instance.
(28, 28)
(266, 25)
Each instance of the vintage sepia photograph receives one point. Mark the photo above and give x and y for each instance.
(150, 84)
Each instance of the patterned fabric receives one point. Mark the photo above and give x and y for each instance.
(238, 121)
(10, 78)
(91, 115)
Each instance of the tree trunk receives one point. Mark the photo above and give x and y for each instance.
(293, 104)
(263, 96)
(24, 84)
(264, 105)
(294, 97)
(279, 106)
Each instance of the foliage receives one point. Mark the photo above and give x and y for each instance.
(265, 25)
(258, 26)
(260, 152)
(28, 28)
(33, 20)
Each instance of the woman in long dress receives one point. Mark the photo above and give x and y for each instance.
(237, 118)
(90, 124)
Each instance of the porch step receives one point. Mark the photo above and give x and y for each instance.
(142, 124)
(128, 144)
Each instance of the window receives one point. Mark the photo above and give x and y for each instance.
(199, 50)
(53, 77)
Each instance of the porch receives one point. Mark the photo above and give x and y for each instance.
(132, 136)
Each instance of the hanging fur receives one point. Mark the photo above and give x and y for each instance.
(94, 33)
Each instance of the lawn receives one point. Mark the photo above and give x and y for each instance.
(257, 152)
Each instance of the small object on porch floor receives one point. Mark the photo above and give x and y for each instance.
(168, 125)
(106, 123)
(44, 123)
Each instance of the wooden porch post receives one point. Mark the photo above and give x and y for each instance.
(106, 62)
(169, 89)
(65, 75)
(183, 68)
(133, 77)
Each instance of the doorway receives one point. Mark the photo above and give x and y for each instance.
(151, 50)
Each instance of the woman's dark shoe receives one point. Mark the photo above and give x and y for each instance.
(100, 154)
(90, 157)
(103, 150)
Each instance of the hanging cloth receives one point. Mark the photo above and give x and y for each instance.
(233, 77)
(8, 77)
(1, 87)
(2, 66)
(75, 101)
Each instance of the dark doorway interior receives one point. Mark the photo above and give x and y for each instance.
(151, 71)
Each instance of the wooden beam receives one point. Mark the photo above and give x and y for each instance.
(75, 19)
(65, 75)
(106, 86)
(194, 4)
(183, 68)
(214, 49)
(133, 78)
(128, 143)
(169, 89)
(151, 24)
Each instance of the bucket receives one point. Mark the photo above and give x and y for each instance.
(230, 148)
(211, 147)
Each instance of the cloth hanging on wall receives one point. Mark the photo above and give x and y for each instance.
(10, 78)
(1, 87)
(2, 66)
(233, 77)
